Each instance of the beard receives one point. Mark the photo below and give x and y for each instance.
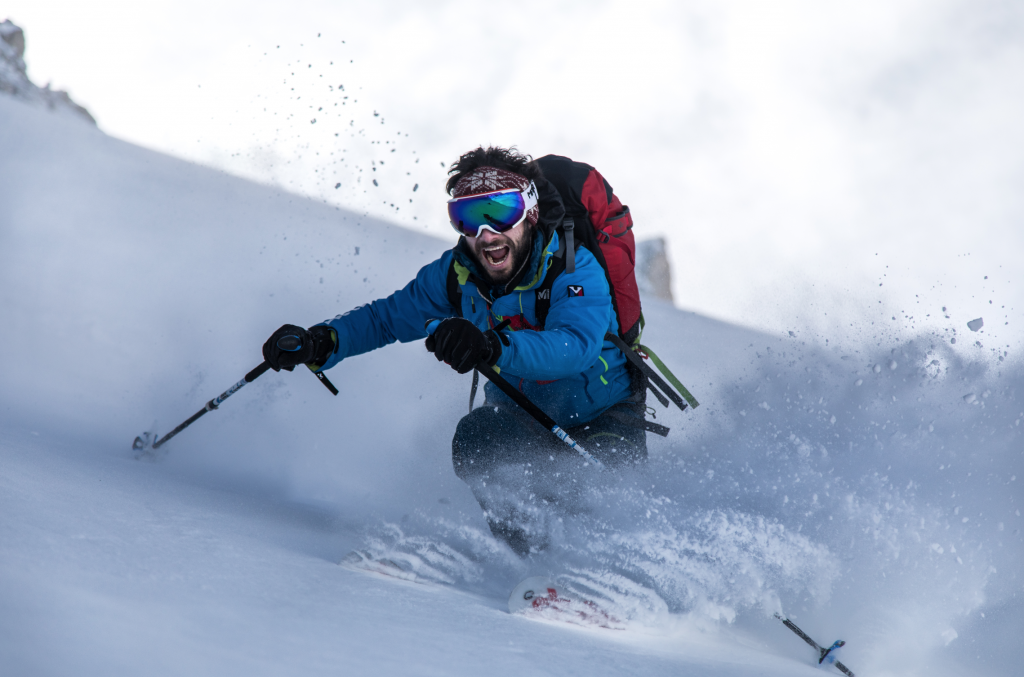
(519, 252)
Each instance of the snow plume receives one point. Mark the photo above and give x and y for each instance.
(710, 564)
(879, 459)
(14, 78)
(862, 494)
(638, 566)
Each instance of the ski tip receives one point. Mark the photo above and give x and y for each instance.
(528, 591)
(541, 598)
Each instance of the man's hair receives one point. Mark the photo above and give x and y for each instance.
(508, 159)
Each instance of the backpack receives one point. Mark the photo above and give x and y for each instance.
(596, 219)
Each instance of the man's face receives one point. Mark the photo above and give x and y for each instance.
(501, 256)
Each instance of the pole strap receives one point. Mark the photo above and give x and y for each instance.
(326, 381)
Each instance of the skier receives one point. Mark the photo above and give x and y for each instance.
(485, 292)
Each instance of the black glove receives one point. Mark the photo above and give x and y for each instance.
(459, 343)
(291, 345)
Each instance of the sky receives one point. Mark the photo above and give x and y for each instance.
(815, 167)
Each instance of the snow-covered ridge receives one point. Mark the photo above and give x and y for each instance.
(15, 82)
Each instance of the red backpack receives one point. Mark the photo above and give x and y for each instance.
(596, 219)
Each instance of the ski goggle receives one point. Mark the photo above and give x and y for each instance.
(498, 211)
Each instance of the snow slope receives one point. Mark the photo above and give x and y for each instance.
(859, 491)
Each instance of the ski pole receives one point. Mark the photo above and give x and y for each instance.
(147, 441)
(823, 653)
(528, 406)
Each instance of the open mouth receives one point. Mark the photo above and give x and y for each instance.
(497, 255)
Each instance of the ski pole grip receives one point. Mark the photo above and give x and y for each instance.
(290, 343)
(257, 372)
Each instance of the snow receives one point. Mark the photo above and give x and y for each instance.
(873, 505)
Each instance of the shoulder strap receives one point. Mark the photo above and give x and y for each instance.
(568, 226)
(560, 262)
(454, 290)
(542, 303)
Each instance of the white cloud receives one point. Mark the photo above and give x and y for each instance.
(777, 145)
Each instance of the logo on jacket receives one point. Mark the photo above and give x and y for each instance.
(544, 294)
(575, 290)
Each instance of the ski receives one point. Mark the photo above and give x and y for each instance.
(540, 597)
(823, 653)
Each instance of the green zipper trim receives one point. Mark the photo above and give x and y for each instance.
(461, 273)
(605, 369)
(691, 400)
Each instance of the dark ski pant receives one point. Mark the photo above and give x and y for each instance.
(516, 468)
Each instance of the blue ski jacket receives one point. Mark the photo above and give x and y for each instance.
(567, 368)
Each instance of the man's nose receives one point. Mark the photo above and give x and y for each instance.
(486, 237)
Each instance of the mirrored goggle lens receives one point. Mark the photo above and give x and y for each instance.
(500, 211)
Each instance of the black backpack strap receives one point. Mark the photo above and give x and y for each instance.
(542, 303)
(568, 226)
(563, 260)
(454, 290)
(654, 391)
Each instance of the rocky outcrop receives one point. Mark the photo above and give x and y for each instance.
(14, 79)
(653, 271)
